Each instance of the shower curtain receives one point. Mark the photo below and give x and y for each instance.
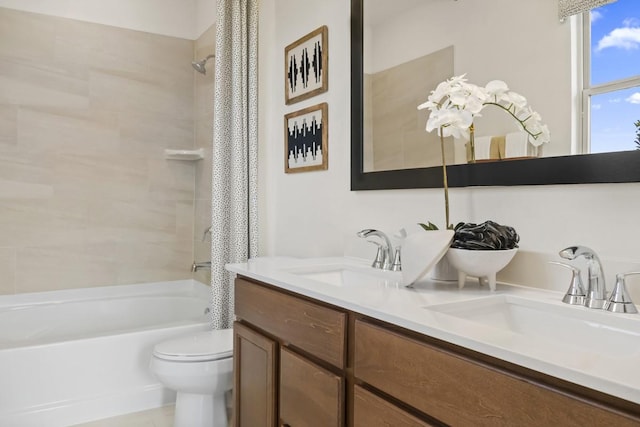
(235, 150)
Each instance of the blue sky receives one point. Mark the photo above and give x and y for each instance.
(615, 54)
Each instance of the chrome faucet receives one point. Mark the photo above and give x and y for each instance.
(207, 231)
(200, 266)
(385, 257)
(596, 288)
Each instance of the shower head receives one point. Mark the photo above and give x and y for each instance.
(199, 65)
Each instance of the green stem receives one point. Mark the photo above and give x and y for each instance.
(508, 110)
(444, 181)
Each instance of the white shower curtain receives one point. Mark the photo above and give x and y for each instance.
(235, 150)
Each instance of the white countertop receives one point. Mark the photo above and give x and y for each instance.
(610, 372)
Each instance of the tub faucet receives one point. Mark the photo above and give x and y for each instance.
(596, 288)
(384, 259)
(200, 266)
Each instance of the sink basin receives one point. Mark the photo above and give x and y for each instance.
(581, 328)
(343, 275)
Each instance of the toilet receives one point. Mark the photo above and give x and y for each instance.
(199, 368)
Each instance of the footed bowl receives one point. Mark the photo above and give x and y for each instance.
(481, 264)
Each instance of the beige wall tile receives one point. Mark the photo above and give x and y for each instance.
(147, 135)
(7, 271)
(8, 125)
(68, 130)
(91, 176)
(171, 180)
(65, 267)
(22, 165)
(35, 84)
(203, 175)
(26, 35)
(153, 261)
(135, 221)
(85, 192)
(53, 222)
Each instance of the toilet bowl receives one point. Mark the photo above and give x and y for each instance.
(199, 368)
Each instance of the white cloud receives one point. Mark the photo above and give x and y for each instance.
(634, 99)
(596, 106)
(623, 38)
(631, 22)
(614, 100)
(595, 16)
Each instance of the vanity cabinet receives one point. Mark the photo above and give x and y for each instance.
(300, 362)
(306, 360)
(458, 390)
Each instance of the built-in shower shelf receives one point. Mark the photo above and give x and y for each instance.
(192, 155)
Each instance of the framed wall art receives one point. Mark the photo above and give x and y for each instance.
(305, 142)
(305, 65)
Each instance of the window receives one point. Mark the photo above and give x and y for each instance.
(611, 79)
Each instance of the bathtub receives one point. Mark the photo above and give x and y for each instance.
(73, 356)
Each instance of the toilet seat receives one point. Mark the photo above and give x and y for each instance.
(199, 347)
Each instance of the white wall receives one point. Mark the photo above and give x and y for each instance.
(186, 19)
(315, 214)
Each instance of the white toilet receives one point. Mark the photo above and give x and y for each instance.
(199, 367)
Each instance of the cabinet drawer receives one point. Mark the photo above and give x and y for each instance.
(370, 410)
(436, 381)
(314, 328)
(309, 395)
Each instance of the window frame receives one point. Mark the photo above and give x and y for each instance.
(584, 31)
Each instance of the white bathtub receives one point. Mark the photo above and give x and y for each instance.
(72, 356)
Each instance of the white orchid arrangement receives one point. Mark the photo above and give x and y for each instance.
(455, 103)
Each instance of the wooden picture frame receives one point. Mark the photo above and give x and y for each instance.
(306, 139)
(306, 66)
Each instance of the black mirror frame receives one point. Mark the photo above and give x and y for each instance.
(615, 167)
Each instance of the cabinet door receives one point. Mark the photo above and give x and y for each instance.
(254, 364)
(370, 410)
(310, 396)
(460, 391)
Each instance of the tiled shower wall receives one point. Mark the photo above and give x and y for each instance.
(203, 114)
(86, 196)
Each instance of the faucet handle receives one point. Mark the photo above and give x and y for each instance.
(575, 295)
(397, 263)
(380, 259)
(207, 231)
(619, 301)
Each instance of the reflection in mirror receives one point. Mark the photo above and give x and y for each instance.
(412, 45)
(521, 43)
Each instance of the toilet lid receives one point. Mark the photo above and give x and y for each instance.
(198, 347)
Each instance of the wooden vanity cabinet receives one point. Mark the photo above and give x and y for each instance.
(300, 362)
(307, 362)
(458, 390)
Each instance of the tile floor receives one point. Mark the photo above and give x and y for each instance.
(159, 417)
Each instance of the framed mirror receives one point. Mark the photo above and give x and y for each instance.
(612, 167)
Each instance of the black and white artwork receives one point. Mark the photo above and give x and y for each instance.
(306, 139)
(305, 65)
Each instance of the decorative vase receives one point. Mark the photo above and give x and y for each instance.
(472, 144)
(483, 264)
(444, 271)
